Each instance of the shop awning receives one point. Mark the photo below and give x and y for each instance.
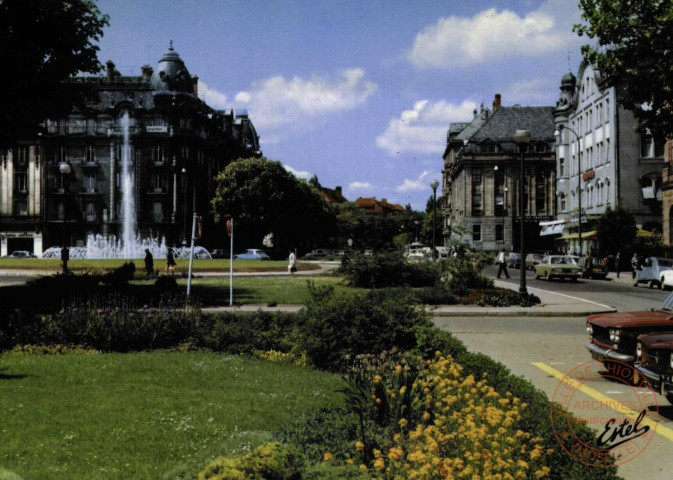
(573, 236)
(554, 227)
(552, 230)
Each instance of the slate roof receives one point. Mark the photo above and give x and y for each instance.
(501, 124)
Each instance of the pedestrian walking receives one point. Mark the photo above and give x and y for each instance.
(502, 262)
(617, 264)
(65, 256)
(292, 263)
(149, 262)
(635, 265)
(170, 261)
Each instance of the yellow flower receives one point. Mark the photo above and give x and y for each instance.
(379, 464)
(426, 416)
(403, 423)
(359, 446)
(377, 379)
(328, 457)
(403, 390)
(363, 467)
(399, 369)
(349, 461)
(543, 472)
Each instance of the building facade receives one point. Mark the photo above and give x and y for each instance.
(602, 162)
(176, 144)
(481, 179)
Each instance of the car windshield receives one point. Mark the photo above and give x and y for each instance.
(560, 260)
(665, 262)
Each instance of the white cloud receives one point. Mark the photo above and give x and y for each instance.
(357, 186)
(489, 36)
(212, 97)
(298, 173)
(537, 91)
(423, 129)
(288, 103)
(420, 184)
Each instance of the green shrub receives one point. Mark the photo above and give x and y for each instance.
(334, 327)
(121, 276)
(328, 471)
(463, 274)
(166, 283)
(506, 298)
(7, 475)
(236, 333)
(388, 269)
(19, 326)
(430, 340)
(271, 461)
(116, 323)
(328, 430)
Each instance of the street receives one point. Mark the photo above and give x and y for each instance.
(544, 349)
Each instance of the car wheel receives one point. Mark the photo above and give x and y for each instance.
(650, 284)
(548, 277)
(537, 277)
(660, 285)
(574, 279)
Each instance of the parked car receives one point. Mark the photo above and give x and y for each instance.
(614, 335)
(654, 361)
(20, 254)
(219, 253)
(598, 270)
(557, 266)
(533, 259)
(651, 271)
(252, 254)
(319, 253)
(513, 260)
(666, 280)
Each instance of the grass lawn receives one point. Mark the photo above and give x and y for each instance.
(214, 291)
(159, 264)
(139, 416)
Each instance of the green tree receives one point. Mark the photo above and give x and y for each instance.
(616, 230)
(635, 54)
(42, 44)
(264, 198)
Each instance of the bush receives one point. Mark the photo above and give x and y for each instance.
(506, 298)
(463, 274)
(334, 327)
(120, 276)
(116, 323)
(327, 471)
(237, 333)
(166, 283)
(388, 269)
(272, 461)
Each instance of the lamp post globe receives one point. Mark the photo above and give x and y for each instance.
(522, 138)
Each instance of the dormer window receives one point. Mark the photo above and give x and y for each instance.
(488, 147)
(541, 147)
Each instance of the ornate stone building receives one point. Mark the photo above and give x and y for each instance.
(602, 159)
(481, 178)
(177, 145)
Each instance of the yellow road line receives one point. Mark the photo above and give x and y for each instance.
(660, 429)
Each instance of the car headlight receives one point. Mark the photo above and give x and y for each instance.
(590, 329)
(614, 335)
(639, 350)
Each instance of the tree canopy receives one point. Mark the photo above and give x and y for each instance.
(616, 230)
(43, 43)
(264, 198)
(635, 54)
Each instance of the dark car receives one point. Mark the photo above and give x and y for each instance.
(654, 361)
(20, 254)
(319, 253)
(513, 260)
(219, 253)
(597, 270)
(614, 335)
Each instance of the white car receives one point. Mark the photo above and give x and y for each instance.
(666, 280)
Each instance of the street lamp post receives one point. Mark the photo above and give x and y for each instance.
(434, 184)
(522, 138)
(65, 169)
(504, 210)
(184, 207)
(557, 135)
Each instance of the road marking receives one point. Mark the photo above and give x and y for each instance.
(571, 297)
(615, 392)
(656, 426)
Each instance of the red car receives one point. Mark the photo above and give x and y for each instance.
(654, 361)
(614, 335)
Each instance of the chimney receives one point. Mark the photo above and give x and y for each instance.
(110, 70)
(497, 102)
(481, 108)
(337, 190)
(475, 113)
(147, 72)
(195, 84)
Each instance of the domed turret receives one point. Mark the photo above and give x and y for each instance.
(568, 80)
(171, 74)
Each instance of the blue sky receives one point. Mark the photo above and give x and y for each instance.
(360, 93)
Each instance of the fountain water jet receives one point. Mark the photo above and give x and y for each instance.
(131, 245)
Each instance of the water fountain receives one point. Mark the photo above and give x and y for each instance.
(131, 245)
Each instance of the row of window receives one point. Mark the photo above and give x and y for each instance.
(91, 213)
(499, 232)
(158, 154)
(101, 125)
(592, 195)
(587, 122)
